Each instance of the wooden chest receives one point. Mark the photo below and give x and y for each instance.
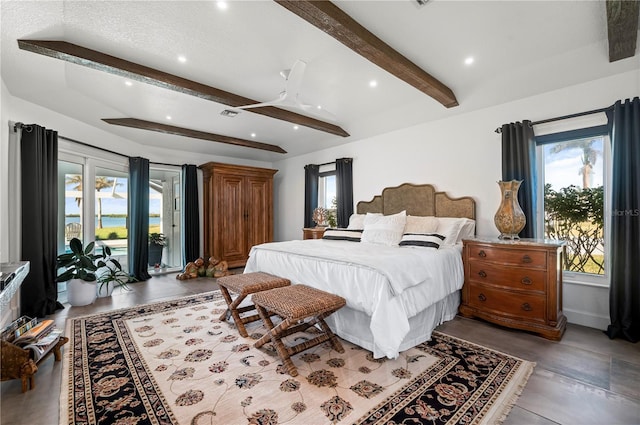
(515, 283)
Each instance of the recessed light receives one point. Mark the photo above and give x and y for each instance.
(128, 83)
(222, 5)
(169, 117)
(469, 60)
(253, 135)
(373, 83)
(295, 127)
(319, 106)
(182, 59)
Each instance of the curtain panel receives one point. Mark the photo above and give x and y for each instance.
(190, 214)
(344, 190)
(39, 205)
(624, 292)
(311, 174)
(138, 252)
(518, 163)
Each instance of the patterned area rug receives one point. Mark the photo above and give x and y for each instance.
(175, 363)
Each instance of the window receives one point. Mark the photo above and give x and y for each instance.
(99, 211)
(327, 191)
(573, 178)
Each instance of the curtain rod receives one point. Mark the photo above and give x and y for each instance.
(28, 128)
(565, 117)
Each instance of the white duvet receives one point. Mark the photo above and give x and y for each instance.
(389, 284)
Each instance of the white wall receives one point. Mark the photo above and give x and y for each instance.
(460, 155)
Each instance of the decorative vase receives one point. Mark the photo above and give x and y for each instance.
(155, 254)
(509, 219)
(80, 292)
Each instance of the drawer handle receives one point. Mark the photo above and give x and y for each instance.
(481, 297)
(481, 273)
(482, 254)
(526, 259)
(526, 280)
(526, 307)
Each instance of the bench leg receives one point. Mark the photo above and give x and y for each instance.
(232, 307)
(274, 335)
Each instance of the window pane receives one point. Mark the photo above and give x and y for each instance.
(71, 207)
(574, 201)
(111, 221)
(164, 218)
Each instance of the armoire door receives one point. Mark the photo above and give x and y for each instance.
(229, 219)
(259, 214)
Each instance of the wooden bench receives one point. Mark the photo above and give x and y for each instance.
(244, 285)
(300, 307)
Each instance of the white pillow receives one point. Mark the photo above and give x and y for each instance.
(417, 224)
(455, 229)
(356, 221)
(384, 229)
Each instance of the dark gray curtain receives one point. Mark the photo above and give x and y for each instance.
(518, 163)
(344, 190)
(138, 250)
(624, 292)
(39, 177)
(311, 173)
(190, 213)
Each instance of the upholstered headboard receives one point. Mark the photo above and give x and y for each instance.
(418, 199)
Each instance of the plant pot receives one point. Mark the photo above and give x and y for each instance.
(155, 254)
(80, 292)
(105, 290)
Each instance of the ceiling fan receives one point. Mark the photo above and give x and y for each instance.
(290, 96)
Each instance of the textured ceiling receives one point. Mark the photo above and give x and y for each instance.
(520, 48)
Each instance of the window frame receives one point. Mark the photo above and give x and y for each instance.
(565, 136)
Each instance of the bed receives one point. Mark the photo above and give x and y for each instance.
(396, 295)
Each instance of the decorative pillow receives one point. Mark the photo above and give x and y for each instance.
(352, 235)
(455, 229)
(384, 229)
(356, 221)
(417, 224)
(425, 240)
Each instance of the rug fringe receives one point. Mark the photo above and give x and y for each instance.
(511, 401)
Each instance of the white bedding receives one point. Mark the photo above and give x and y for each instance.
(388, 284)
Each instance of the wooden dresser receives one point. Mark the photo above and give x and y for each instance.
(238, 210)
(313, 232)
(517, 284)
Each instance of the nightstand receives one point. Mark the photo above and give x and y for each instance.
(517, 284)
(313, 232)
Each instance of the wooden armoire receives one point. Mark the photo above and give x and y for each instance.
(238, 210)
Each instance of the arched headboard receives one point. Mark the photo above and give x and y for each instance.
(420, 200)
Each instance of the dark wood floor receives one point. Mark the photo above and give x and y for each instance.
(583, 379)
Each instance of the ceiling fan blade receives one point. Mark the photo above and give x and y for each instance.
(281, 100)
(295, 76)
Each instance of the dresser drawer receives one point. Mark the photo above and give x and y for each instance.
(515, 257)
(511, 277)
(517, 305)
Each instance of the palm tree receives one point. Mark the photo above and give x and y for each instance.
(101, 183)
(589, 156)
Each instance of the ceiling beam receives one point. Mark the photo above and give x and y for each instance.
(622, 28)
(194, 134)
(332, 20)
(102, 62)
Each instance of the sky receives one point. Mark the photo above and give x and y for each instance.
(113, 206)
(563, 168)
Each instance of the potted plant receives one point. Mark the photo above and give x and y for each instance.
(110, 274)
(79, 272)
(157, 241)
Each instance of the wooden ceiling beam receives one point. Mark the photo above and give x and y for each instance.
(194, 134)
(622, 28)
(102, 62)
(332, 20)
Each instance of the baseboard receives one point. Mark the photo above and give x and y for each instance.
(587, 319)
